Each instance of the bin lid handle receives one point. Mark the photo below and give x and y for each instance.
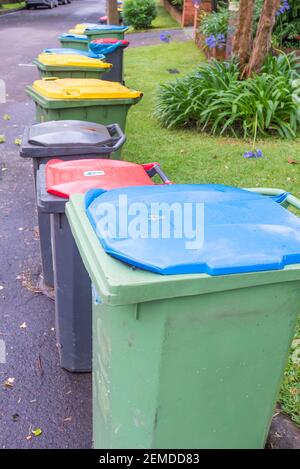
(91, 195)
(280, 198)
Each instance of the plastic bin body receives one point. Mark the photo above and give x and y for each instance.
(95, 109)
(184, 361)
(116, 73)
(41, 155)
(73, 300)
(116, 58)
(104, 31)
(73, 41)
(69, 72)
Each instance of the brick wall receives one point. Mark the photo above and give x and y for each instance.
(188, 13)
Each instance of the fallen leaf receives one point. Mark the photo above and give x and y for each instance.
(173, 71)
(23, 326)
(2, 138)
(39, 365)
(67, 419)
(37, 432)
(18, 141)
(6, 117)
(15, 417)
(9, 382)
(292, 161)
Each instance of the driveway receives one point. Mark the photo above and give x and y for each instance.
(39, 395)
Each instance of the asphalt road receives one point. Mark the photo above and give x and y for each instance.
(42, 395)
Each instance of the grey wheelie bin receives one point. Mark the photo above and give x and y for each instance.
(196, 298)
(56, 181)
(113, 49)
(67, 140)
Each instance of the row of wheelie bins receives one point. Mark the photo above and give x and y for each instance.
(181, 298)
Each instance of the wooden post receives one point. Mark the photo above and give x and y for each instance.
(112, 12)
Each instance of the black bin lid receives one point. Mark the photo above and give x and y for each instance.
(67, 137)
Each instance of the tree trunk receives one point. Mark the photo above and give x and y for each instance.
(262, 42)
(112, 12)
(242, 42)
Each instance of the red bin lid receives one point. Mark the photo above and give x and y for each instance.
(110, 40)
(64, 178)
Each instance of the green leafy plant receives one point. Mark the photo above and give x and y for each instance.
(287, 25)
(139, 13)
(213, 99)
(215, 23)
(178, 4)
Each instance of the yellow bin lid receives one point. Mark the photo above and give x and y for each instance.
(77, 30)
(72, 60)
(83, 88)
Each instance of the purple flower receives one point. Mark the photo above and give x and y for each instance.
(215, 41)
(211, 41)
(284, 7)
(254, 154)
(165, 37)
(249, 154)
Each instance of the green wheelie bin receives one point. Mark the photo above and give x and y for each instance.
(70, 66)
(105, 30)
(195, 303)
(74, 41)
(99, 101)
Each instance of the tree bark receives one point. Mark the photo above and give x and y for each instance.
(243, 38)
(112, 12)
(262, 42)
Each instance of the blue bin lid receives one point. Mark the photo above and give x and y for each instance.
(64, 50)
(243, 231)
(109, 27)
(76, 37)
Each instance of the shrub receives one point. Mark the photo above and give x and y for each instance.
(214, 99)
(139, 13)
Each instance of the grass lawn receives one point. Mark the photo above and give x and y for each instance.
(12, 6)
(162, 21)
(192, 157)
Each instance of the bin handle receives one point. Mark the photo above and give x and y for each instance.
(121, 138)
(50, 78)
(153, 169)
(280, 195)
